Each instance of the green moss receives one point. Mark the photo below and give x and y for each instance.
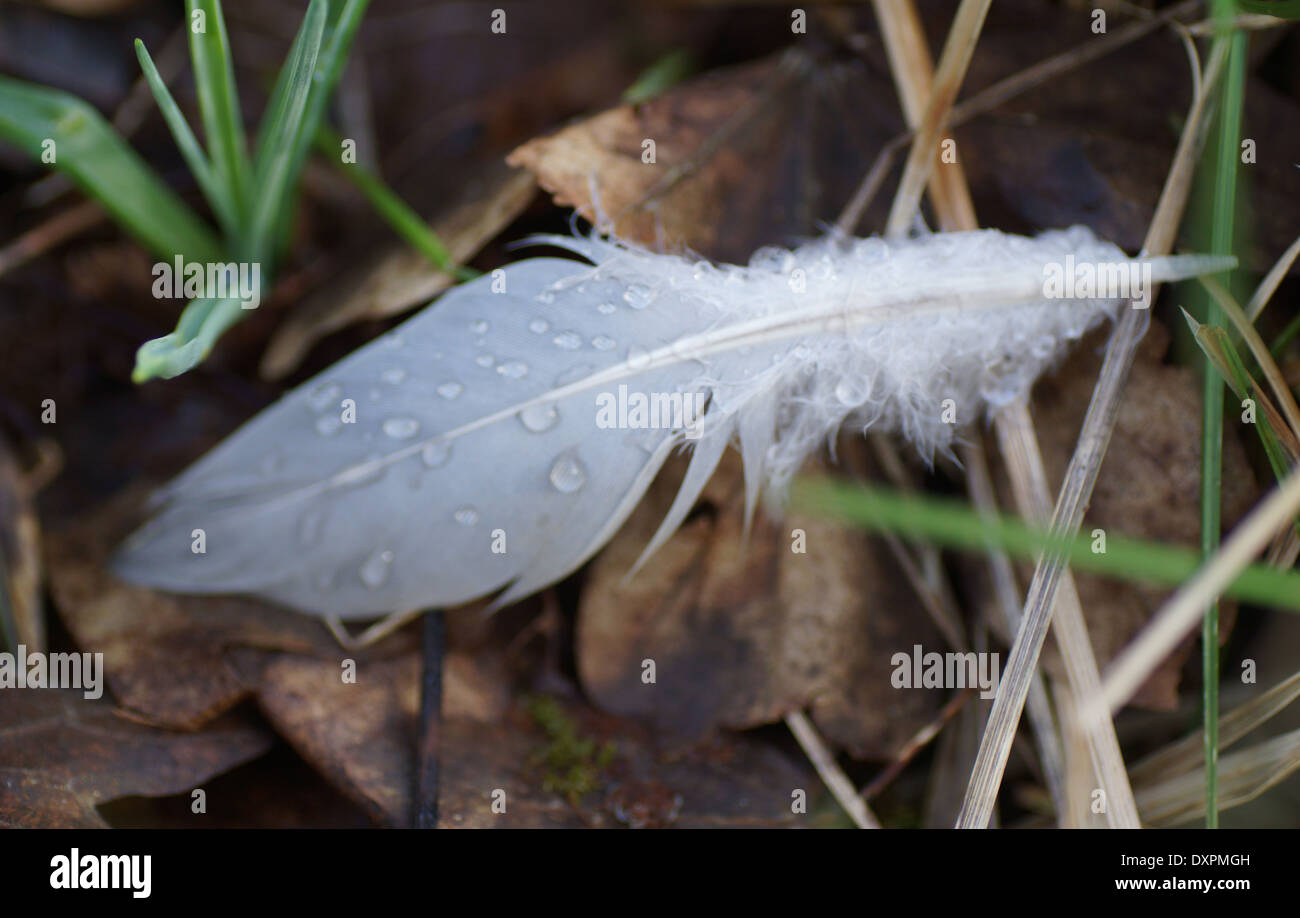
(571, 765)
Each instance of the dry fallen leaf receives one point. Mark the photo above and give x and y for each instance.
(754, 155)
(361, 735)
(1094, 144)
(164, 655)
(742, 631)
(181, 660)
(61, 755)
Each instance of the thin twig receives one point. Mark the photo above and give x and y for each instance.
(1020, 446)
(916, 743)
(430, 733)
(1268, 286)
(1002, 91)
(956, 57)
(50, 233)
(909, 61)
(979, 484)
(839, 784)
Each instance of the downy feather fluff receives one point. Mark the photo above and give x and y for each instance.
(475, 462)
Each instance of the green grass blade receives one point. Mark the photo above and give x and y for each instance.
(404, 221)
(1283, 9)
(953, 524)
(213, 190)
(201, 324)
(1220, 351)
(91, 153)
(278, 149)
(295, 110)
(340, 30)
(214, 77)
(659, 77)
(1222, 239)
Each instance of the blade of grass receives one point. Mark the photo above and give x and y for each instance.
(1222, 239)
(339, 32)
(91, 153)
(1184, 754)
(404, 221)
(1283, 9)
(214, 78)
(659, 77)
(277, 152)
(202, 322)
(214, 190)
(295, 111)
(1268, 286)
(1246, 775)
(956, 525)
(1233, 312)
(1280, 444)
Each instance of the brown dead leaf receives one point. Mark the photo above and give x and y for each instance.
(61, 755)
(1093, 145)
(164, 654)
(361, 735)
(181, 660)
(402, 278)
(754, 155)
(743, 631)
(1149, 487)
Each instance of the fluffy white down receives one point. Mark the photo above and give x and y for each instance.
(904, 326)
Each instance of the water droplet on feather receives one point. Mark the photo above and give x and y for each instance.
(568, 474)
(539, 418)
(435, 454)
(375, 571)
(401, 428)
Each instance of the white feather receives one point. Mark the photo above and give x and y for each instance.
(476, 421)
